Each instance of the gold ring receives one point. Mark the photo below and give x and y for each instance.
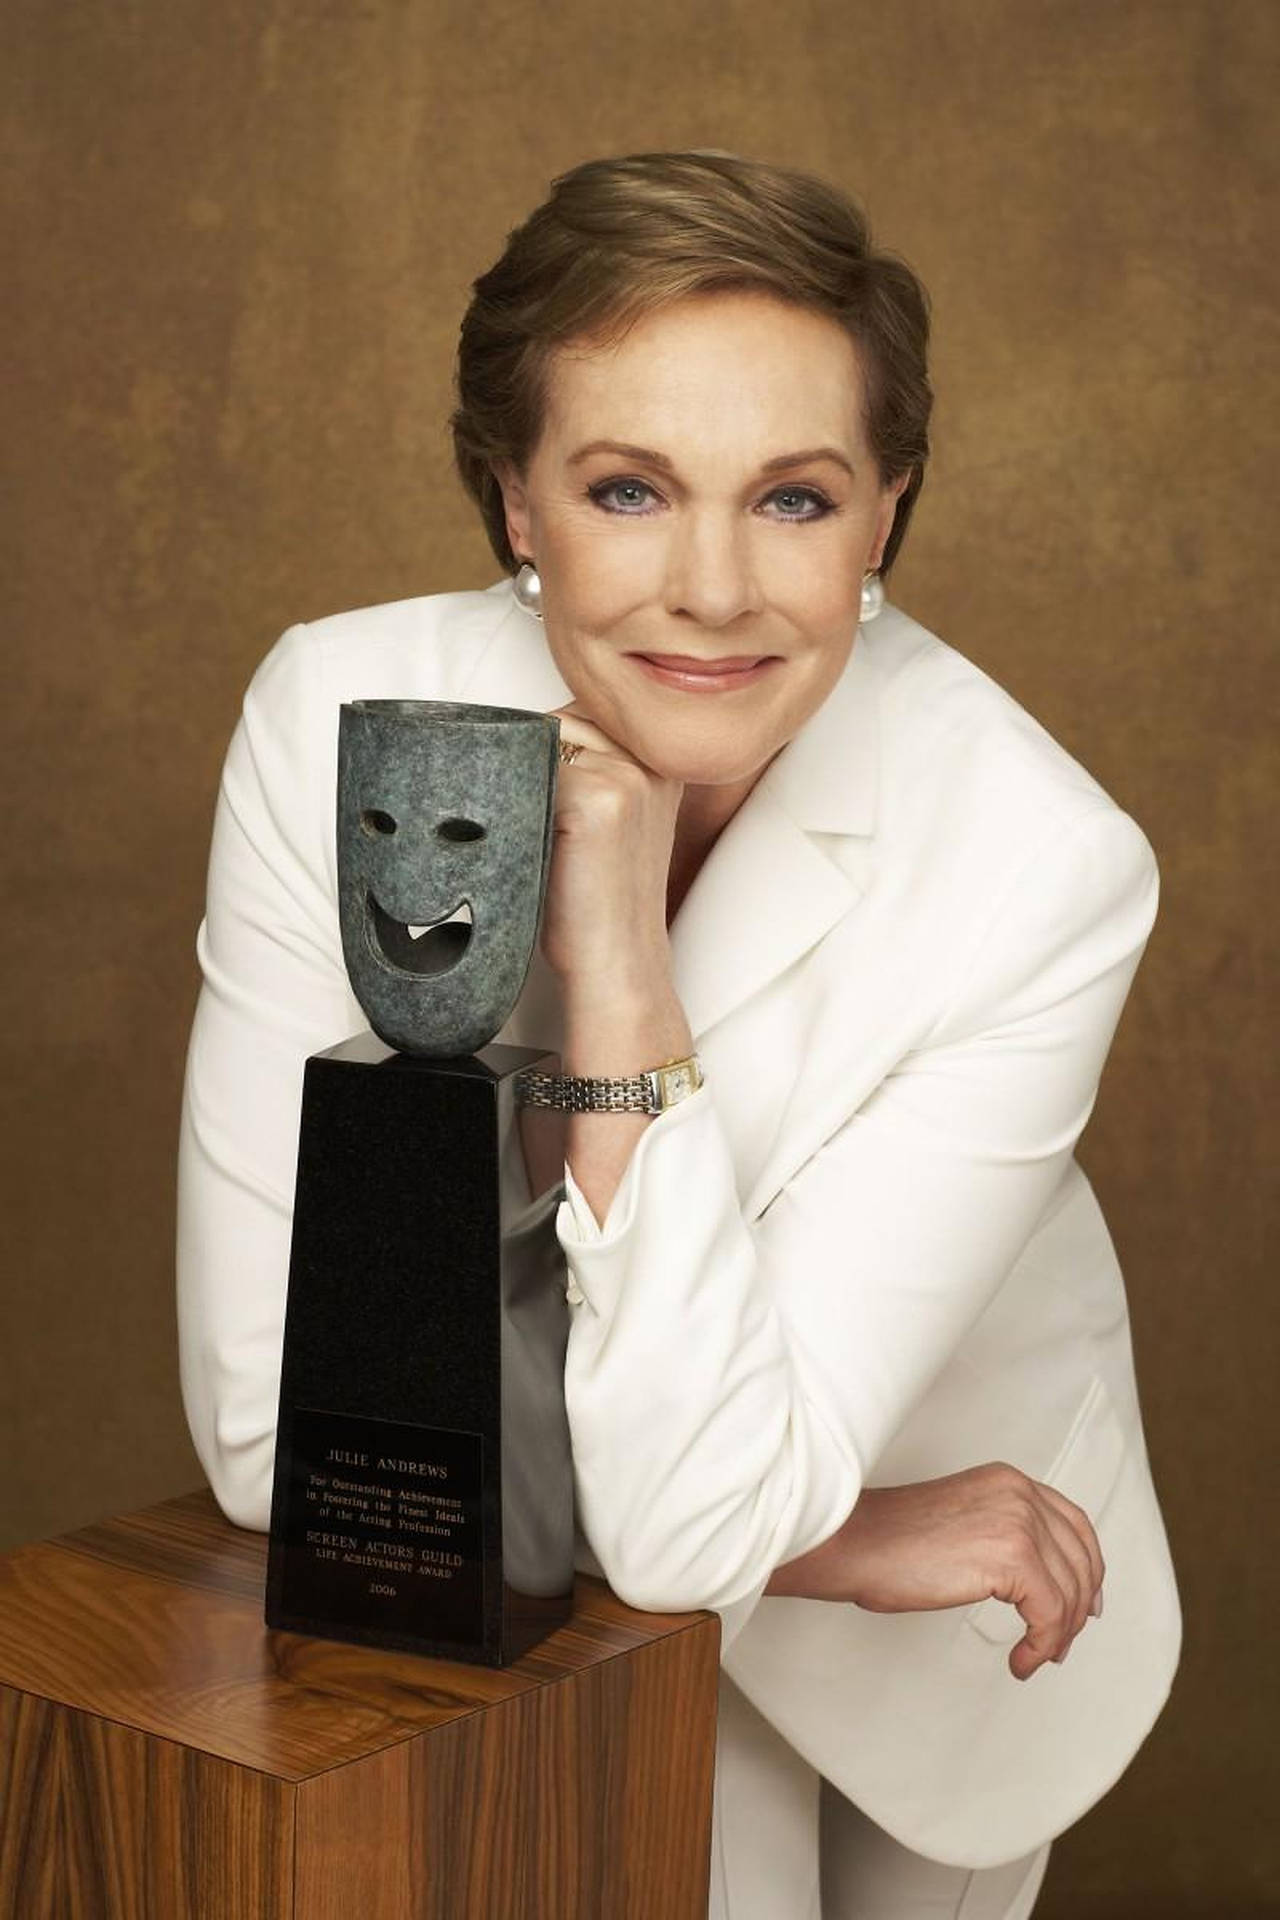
(569, 751)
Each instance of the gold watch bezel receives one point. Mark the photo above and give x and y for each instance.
(676, 1080)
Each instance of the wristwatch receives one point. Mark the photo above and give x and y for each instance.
(651, 1092)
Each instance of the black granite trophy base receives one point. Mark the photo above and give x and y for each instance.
(423, 1491)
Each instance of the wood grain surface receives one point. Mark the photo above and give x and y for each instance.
(99, 1822)
(583, 1800)
(164, 1754)
(155, 1619)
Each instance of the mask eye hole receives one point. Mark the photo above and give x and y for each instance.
(377, 823)
(460, 830)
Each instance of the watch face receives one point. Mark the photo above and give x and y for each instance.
(677, 1083)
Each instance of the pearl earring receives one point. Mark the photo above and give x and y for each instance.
(528, 590)
(872, 598)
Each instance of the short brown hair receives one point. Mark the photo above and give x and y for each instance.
(617, 238)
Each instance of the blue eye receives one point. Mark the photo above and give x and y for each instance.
(623, 496)
(812, 504)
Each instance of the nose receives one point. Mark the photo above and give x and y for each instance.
(710, 573)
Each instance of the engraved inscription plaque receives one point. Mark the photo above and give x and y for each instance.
(384, 1523)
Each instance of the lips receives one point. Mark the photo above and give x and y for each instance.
(422, 948)
(695, 675)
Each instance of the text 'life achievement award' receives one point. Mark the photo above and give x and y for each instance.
(423, 1493)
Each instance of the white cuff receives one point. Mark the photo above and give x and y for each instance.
(578, 1230)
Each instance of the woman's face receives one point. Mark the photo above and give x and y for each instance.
(702, 507)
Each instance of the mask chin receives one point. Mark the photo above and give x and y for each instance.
(424, 951)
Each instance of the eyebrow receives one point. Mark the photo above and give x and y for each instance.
(778, 464)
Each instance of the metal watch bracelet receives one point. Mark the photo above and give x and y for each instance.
(650, 1092)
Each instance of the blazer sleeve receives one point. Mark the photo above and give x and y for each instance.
(730, 1384)
(274, 990)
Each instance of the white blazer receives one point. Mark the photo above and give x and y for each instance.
(862, 1254)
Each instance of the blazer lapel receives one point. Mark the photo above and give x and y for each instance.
(764, 897)
(782, 874)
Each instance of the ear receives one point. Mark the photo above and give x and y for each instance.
(515, 501)
(890, 495)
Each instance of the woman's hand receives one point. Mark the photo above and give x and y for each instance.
(604, 926)
(604, 933)
(987, 1532)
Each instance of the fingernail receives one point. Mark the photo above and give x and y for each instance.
(1095, 1605)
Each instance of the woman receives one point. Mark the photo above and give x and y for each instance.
(846, 1323)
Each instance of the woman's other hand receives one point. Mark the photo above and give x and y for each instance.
(990, 1531)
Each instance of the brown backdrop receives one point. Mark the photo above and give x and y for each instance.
(239, 240)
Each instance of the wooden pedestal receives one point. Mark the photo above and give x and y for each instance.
(163, 1754)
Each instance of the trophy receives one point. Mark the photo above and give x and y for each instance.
(423, 1494)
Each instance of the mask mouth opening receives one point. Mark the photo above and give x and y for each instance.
(418, 948)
